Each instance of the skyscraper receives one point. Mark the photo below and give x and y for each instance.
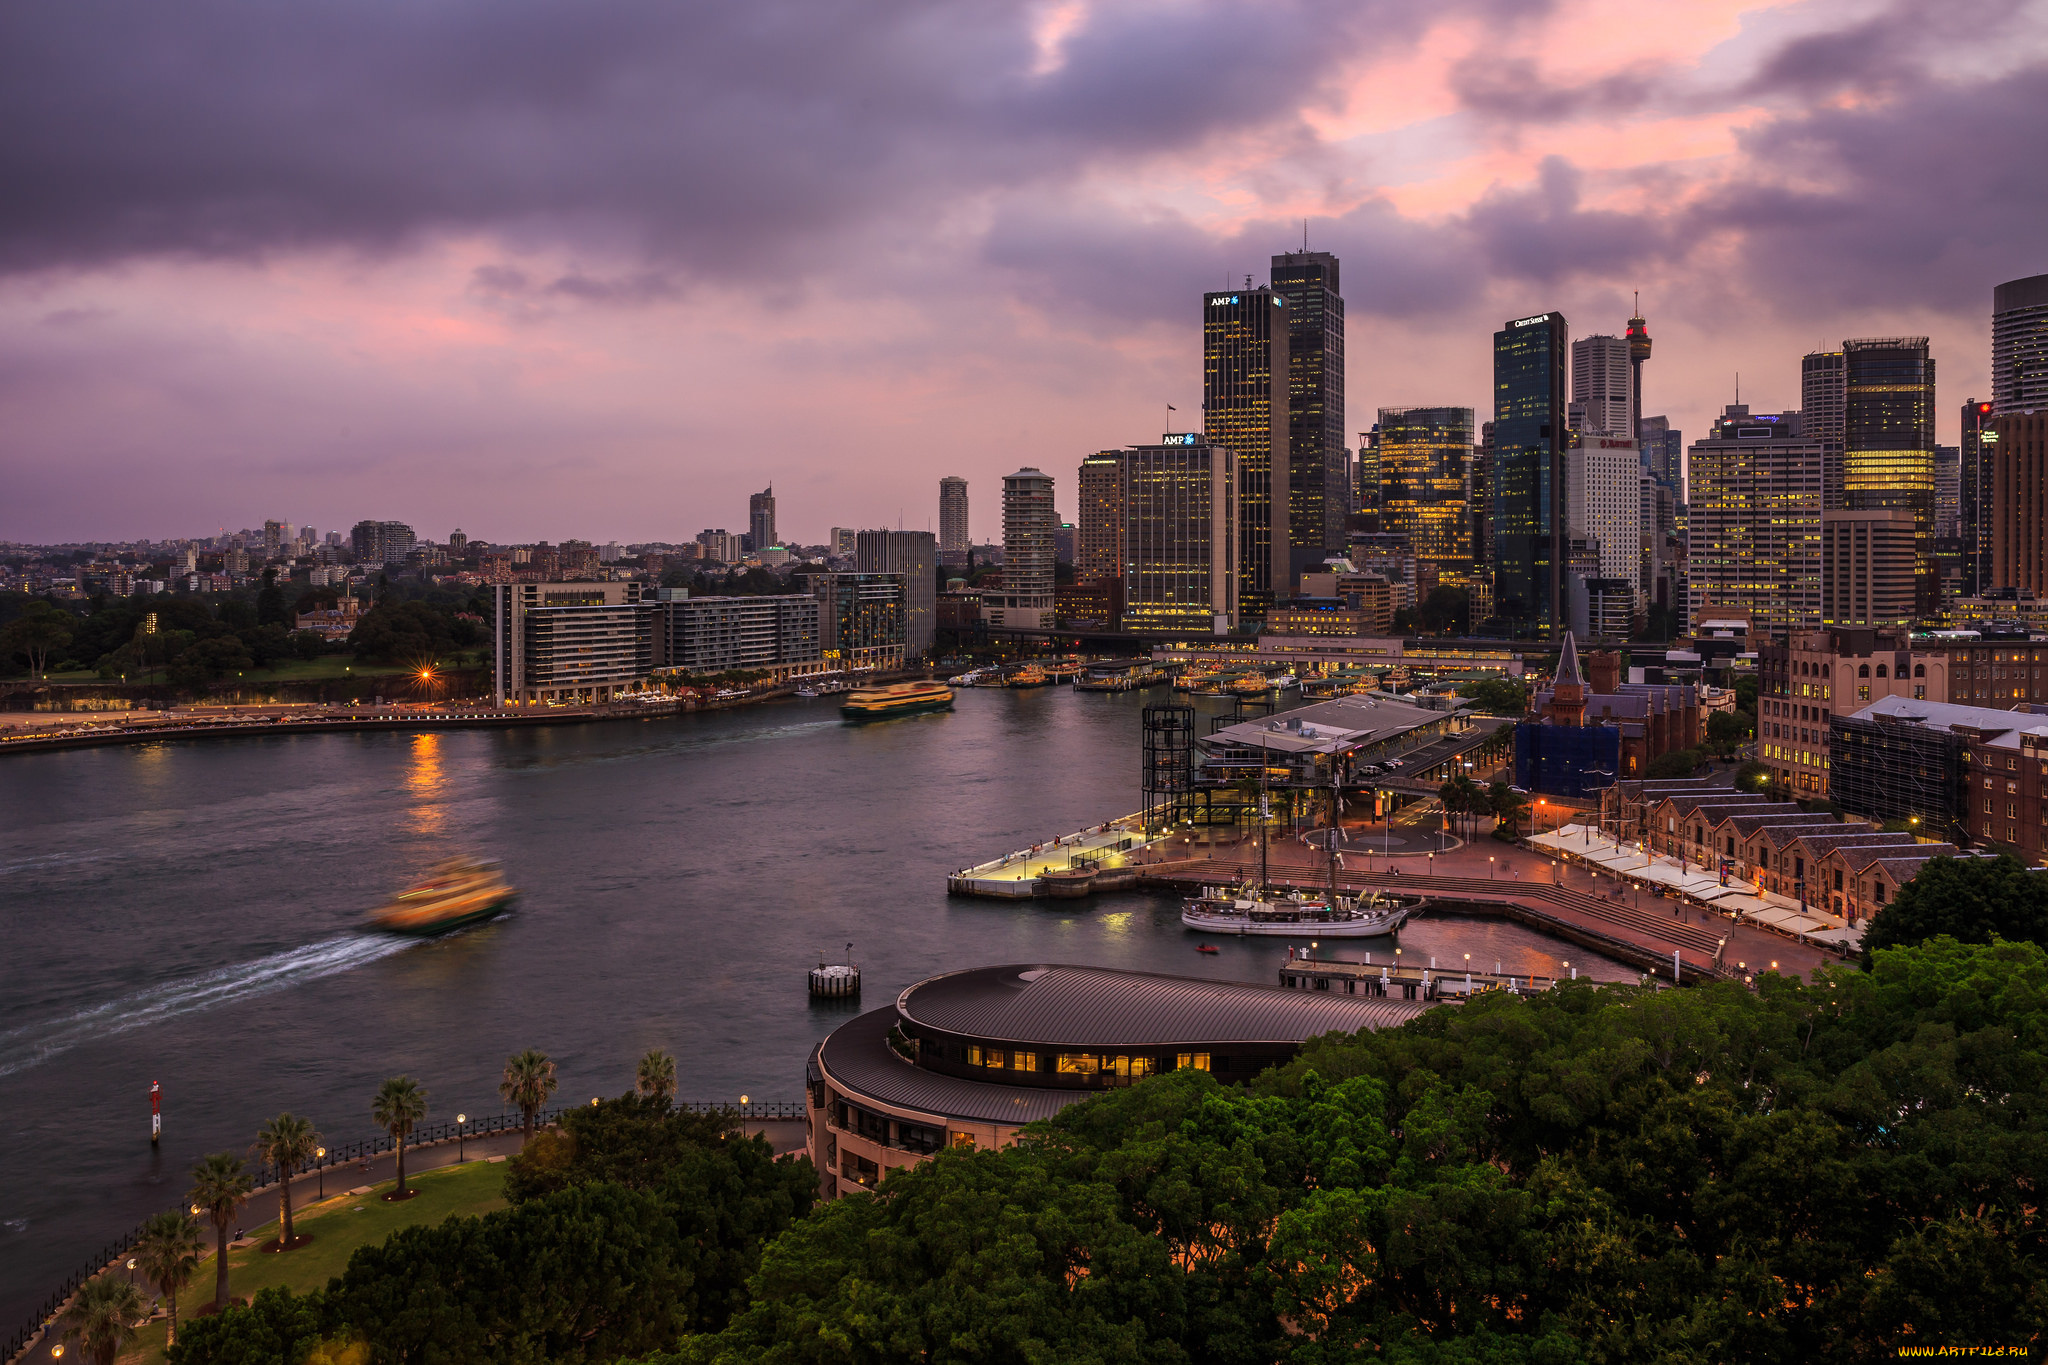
(1317, 504)
(1245, 370)
(1663, 451)
(2019, 345)
(1755, 492)
(1974, 478)
(761, 518)
(953, 540)
(1529, 357)
(1867, 568)
(1099, 533)
(1602, 386)
(1025, 601)
(1425, 459)
(1888, 443)
(1604, 505)
(914, 555)
(2018, 506)
(1179, 500)
(1823, 413)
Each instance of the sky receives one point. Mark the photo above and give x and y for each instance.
(598, 271)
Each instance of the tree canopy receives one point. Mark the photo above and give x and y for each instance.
(1972, 900)
(1501, 696)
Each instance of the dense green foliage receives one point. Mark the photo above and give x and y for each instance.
(1970, 899)
(634, 1225)
(412, 632)
(1677, 763)
(1800, 1173)
(1500, 696)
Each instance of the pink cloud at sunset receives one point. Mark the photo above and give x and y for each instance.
(544, 273)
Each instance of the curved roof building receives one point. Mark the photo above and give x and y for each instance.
(965, 1059)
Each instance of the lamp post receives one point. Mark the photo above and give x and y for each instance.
(460, 1134)
(1490, 870)
(320, 1155)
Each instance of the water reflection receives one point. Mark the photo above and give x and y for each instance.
(426, 781)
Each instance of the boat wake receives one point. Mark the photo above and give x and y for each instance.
(33, 1044)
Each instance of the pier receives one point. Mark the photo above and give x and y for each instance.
(1405, 981)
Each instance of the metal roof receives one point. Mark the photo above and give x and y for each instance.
(857, 1055)
(1103, 1007)
(1334, 725)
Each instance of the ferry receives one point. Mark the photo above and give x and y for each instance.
(1031, 675)
(460, 891)
(1247, 911)
(896, 699)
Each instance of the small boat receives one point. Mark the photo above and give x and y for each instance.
(1031, 675)
(1207, 948)
(807, 692)
(896, 699)
(461, 891)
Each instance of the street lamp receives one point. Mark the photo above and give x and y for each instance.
(320, 1155)
(460, 1120)
(1489, 867)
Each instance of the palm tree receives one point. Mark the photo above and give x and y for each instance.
(401, 1102)
(657, 1075)
(220, 1185)
(102, 1316)
(168, 1253)
(287, 1141)
(1451, 798)
(529, 1081)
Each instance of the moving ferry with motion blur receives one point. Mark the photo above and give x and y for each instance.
(460, 891)
(896, 699)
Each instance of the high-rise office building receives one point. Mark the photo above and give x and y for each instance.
(1529, 358)
(2019, 345)
(1602, 386)
(1823, 413)
(1867, 567)
(1482, 503)
(1604, 503)
(1179, 502)
(914, 555)
(1425, 460)
(761, 518)
(953, 540)
(1365, 472)
(1025, 600)
(1245, 370)
(1755, 530)
(1974, 477)
(1317, 504)
(1663, 450)
(860, 617)
(1888, 443)
(1948, 492)
(1099, 533)
(2018, 510)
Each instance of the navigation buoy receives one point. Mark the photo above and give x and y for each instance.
(836, 980)
(156, 1112)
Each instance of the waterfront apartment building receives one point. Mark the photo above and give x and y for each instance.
(1867, 568)
(953, 534)
(1099, 532)
(914, 555)
(2019, 345)
(2018, 514)
(1245, 372)
(1823, 414)
(1180, 507)
(569, 642)
(1317, 458)
(1025, 601)
(1425, 473)
(1755, 523)
(780, 635)
(761, 518)
(1805, 678)
(1888, 444)
(1603, 386)
(1529, 363)
(861, 618)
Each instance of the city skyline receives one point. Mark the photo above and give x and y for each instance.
(207, 327)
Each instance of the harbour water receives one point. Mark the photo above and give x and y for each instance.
(190, 914)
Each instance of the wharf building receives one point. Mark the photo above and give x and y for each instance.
(913, 555)
(1888, 444)
(1590, 729)
(1181, 508)
(1317, 458)
(1527, 474)
(861, 618)
(1755, 489)
(569, 642)
(781, 635)
(953, 533)
(1245, 375)
(1848, 868)
(966, 1059)
(1900, 759)
(1026, 600)
(1425, 480)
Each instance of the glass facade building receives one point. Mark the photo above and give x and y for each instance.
(1425, 472)
(2019, 345)
(1316, 494)
(1756, 519)
(1099, 534)
(1888, 443)
(1823, 414)
(1180, 506)
(1529, 363)
(1245, 371)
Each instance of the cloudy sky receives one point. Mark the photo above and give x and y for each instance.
(544, 270)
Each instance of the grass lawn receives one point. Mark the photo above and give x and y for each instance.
(337, 1228)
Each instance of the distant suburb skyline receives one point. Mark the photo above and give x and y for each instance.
(547, 272)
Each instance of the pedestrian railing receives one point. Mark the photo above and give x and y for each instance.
(347, 1154)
